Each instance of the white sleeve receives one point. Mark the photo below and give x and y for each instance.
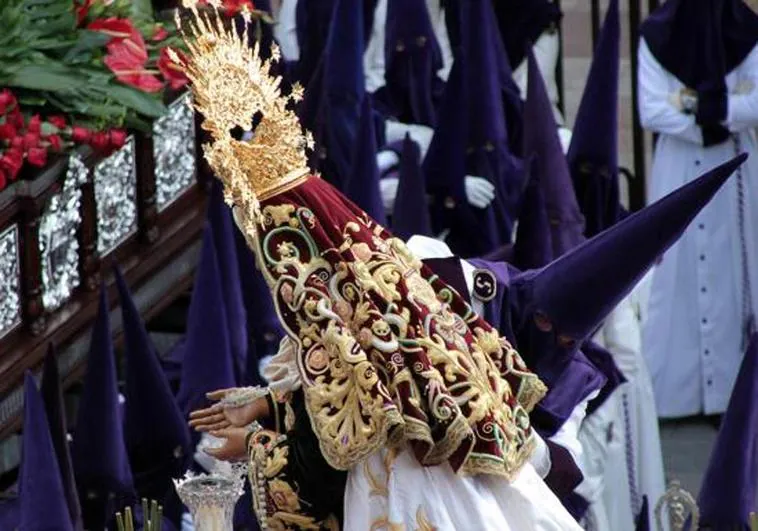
(373, 57)
(281, 372)
(742, 107)
(568, 435)
(540, 458)
(622, 336)
(657, 112)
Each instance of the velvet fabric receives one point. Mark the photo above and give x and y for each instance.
(43, 502)
(52, 395)
(727, 494)
(593, 153)
(521, 23)
(364, 310)
(410, 215)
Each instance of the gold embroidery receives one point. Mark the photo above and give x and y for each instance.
(423, 522)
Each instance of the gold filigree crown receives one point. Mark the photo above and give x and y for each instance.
(232, 86)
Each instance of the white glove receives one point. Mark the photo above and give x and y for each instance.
(479, 191)
(386, 159)
(388, 190)
(564, 134)
(420, 134)
(540, 458)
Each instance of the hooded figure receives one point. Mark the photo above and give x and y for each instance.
(52, 395)
(410, 214)
(698, 67)
(727, 494)
(593, 153)
(157, 436)
(43, 503)
(98, 452)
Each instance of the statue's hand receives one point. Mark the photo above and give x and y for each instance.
(221, 416)
(233, 448)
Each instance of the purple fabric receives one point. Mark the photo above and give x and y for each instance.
(43, 498)
(98, 451)
(521, 23)
(410, 214)
(576, 505)
(564, 475)
(643, 519)
(450, 270)
(412, 60)
(157, 436)
(700, 41)
(593, 153)
(363, 186)
(568, 291)
(533, 247)
(10, 511)
(223, 228)
(208, 363)
(52, 395)
(728, 492)
(549, 165)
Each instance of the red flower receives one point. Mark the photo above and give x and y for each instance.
(7, 131)
(117, 138)
(3, 181)
(170, 70)
(159, 33)
(99, 141)
(80, 135)
(11, 162)
(82, 10)
(232, 7)
(37, 157)
(35, 124)
(16, 118)
(7, 101)
(18, 142)
(118, 28)
(126, 58)
(55, 142)
(31, 140)
(58, 121)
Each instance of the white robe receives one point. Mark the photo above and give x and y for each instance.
(693, 336)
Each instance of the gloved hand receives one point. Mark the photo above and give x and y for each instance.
(388, 191)
(479, 191)
(386, 159)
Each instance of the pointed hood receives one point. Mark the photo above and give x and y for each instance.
(52, 394)
(567, 291)
(593, 153)
(208, 363)
(643, 519)
(363, 186)
(410, 214)
(727, 494)
(157, 437)
(43, 498)
(98, 450)
(412, 59)
(332, 111)
(223, 228)
(533, 247)
(521, 23)
(541, 141)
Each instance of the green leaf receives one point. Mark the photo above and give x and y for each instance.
(145, 104)
(142, 11)
(87, 41)
(44, 77)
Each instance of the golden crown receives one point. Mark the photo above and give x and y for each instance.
(232, 86)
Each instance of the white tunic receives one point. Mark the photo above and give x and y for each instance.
(692, 339)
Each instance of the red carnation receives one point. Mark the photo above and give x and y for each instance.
(80, 135)
(37, 157)
(17, 142)
(55, 142)
(35, 124)
(99, 141)
(117, 138)
(7, 131)
(170, 70)
(11, 162)
(82, 10)
(16, 118)
(31, 140)
(7, 100)
(58, 121)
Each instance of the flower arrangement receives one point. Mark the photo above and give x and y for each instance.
(79, 72)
